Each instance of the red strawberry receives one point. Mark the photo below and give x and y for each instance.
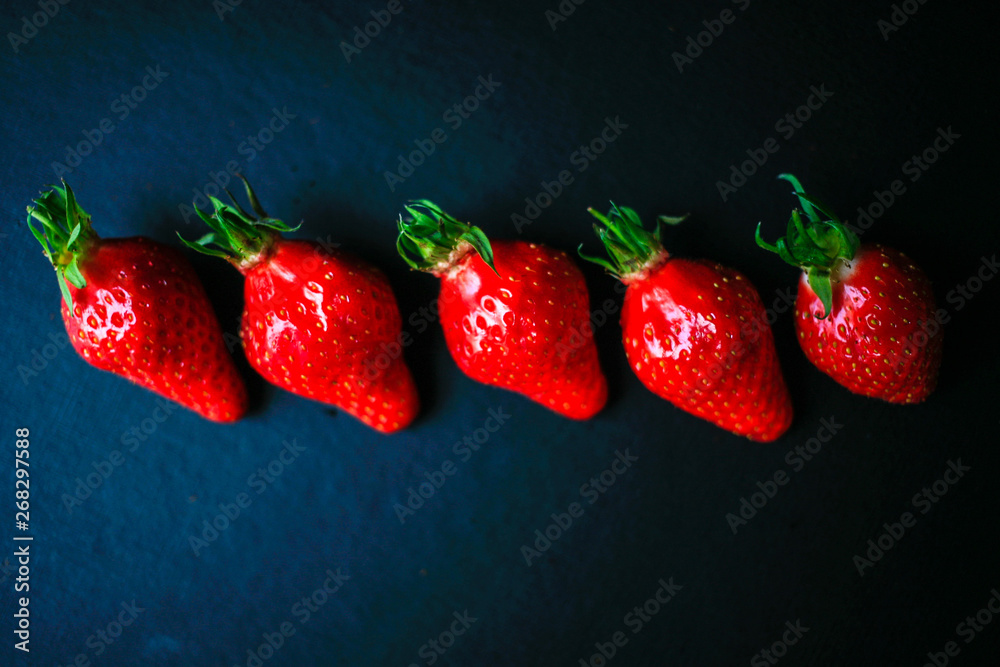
(515, 314)
(315, 320)
(865, 314)
(136, 308)
(695, 332)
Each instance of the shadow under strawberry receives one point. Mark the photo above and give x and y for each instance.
(225, 291)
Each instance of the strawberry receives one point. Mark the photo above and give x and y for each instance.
(515, 315)
(865, 314)
(136, 308)
(695, 332)
(316, 320)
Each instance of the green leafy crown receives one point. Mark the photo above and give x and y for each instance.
(66, 234)
(814, 245)
(236, 235)
(630, 246)
(430, 239)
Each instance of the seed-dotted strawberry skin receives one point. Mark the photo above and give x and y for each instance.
(144, 315)
(696, 334)
(528, 329)
(873, 342)
(325, 325)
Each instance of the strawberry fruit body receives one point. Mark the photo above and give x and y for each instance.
(864, 314)
(515, 314)
(317, 321)
(695, 332)
(136, 308)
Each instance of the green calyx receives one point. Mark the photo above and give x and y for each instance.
(236, 235)
(630, 246)
(814, 245)
(433, 241)
(66, 234)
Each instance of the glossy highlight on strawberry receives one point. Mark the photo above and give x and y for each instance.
(695, 332)
(865, 314)
(315, 318)
(136, 308)
(515, 314)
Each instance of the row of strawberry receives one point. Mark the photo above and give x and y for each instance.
(316, 321)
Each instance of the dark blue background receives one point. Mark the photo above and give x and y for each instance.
(333, 507)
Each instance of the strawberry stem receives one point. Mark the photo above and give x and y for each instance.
(631, 247)
(65, 236)
(237, 236)
(816, 245)
(433, 241)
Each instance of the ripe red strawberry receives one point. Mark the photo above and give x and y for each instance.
(136, 308)
(515, 315)
(695, 332)
(316, 321)
(865, 314)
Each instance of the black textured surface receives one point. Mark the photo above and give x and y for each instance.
(665, 517)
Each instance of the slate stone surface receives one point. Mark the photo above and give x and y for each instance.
(217, 74)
